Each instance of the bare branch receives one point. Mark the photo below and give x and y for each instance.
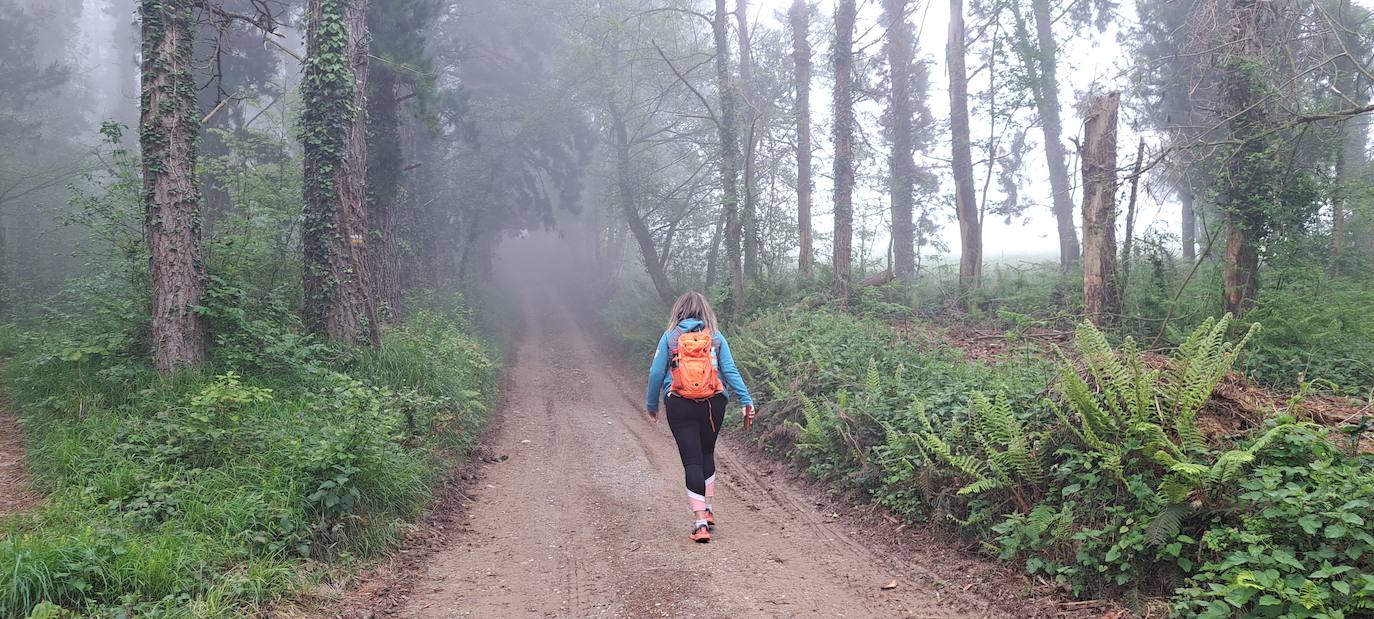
(682, 78)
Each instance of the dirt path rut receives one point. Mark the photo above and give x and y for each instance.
(15, 495)
(587, 517)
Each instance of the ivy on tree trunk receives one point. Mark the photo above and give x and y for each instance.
(338, 298)
(169, 128)
(1250, 174)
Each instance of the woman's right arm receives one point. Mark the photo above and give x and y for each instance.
(657, 370)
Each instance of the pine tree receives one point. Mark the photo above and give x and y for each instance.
(800, 17)
(843, 60)
(900, 54)
(339, 301)
(169, 129)
(729, 155)
(966, 209)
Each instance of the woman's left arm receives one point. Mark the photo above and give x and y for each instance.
(731, 375)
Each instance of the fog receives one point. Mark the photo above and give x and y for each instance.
(505, 124)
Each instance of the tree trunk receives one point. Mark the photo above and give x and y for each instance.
(713, 258)
(409, 274)
(643, 237)
(472, 231)
(966, 207)
(729, 153)
(1247, 120)
(1338, 197)
(844, 148)
(5, 293)
(1128, 246)
(169, 127)
(1350, 164)
(801, 59)
(1044, 77)
(385, 171)
(1099, 208)
(900, 51)
(1242, 268)
(1189, 215)
(1362, 173)
(339, 301)
(750, 118)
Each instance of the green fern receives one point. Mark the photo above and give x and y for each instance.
(812, 435)
(1195, 371)
(1134, 417)
(1199, 484)
(993, 454)
(873, 385)
(1129, 410)
(1166, 525)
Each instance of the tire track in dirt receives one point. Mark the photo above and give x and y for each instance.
(588, 518)
(16, 494)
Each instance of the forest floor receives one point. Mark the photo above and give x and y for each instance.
(15, 495)
(574, 507)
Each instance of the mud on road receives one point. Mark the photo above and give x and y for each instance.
(579, 510)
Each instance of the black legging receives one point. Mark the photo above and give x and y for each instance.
(695, 425)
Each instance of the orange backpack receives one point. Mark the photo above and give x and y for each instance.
(694, 366)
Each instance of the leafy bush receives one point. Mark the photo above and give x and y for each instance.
(205, 494)
(1300, 545)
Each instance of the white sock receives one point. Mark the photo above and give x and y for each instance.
(698, 524)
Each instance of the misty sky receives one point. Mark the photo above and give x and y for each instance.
(1090, 59)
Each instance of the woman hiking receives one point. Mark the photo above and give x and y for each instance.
(693, 372)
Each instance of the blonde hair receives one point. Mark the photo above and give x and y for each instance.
(692, 305)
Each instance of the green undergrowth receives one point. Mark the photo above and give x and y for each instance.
(1318, 331)
(1093, 474)
(214, 492)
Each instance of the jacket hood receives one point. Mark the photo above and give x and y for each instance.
(688, 324)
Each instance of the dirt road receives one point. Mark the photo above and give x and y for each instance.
(587, 518)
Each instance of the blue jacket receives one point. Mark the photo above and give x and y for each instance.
(661, 380)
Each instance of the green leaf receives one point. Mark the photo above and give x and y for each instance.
(1239, 596)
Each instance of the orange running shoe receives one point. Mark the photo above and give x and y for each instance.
(710, 519)
(701, 535)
